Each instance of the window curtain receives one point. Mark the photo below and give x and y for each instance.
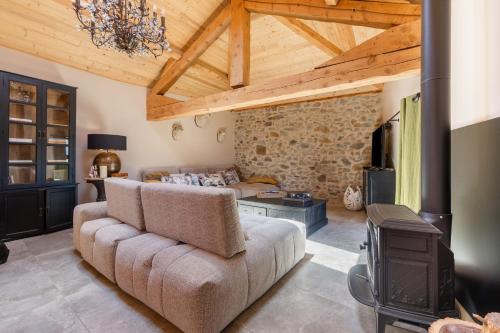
(408, 169)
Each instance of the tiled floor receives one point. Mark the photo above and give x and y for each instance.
(46, 287)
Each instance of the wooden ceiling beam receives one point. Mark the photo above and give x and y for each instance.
(370, 66)
(365, 90)
(400, 37)
(239, 45)
(382, 15)
(309, 34)
(218, 23)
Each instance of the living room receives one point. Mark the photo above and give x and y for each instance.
(287, 95)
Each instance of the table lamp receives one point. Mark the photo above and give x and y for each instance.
(107, 142)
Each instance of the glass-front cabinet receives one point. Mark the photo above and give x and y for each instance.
(37, 148)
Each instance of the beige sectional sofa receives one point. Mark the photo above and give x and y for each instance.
(185, 251)
(241, 189)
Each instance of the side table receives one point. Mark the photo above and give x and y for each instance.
(99, 185)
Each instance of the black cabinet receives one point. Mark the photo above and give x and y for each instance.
(37, 150)
(379, 186)
(22, 214)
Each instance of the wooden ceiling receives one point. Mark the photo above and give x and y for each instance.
(278, 51)
(47, 28)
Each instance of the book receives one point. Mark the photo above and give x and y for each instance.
(58, 141)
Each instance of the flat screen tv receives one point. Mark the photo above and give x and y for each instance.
(379, 142)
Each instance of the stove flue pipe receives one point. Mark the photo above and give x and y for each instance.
(435, 92)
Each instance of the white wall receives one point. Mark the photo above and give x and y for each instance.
(475, 68)
(111, 107)
(475, 61)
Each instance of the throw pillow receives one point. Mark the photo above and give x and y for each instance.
(195, 179)
(213, 179)
(177, 178)
(156, 175)
(230, 176)
(262, 180)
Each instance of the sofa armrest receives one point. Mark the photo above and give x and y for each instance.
(87, 212)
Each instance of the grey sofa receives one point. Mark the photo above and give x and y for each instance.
(241, 190)
(184, 250)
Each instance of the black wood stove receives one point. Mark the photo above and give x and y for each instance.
(410, 271)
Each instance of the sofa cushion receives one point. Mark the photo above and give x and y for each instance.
(104, 245)
(87, 236)
(204, 217)
(134, 260)
(273, 248)
(124, 201)
(195, 170)
(200, 291)
(152, 173)
(84, 213)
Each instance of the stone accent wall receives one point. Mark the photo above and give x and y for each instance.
(320, 146)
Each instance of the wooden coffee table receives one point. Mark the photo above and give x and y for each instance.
(313, 216)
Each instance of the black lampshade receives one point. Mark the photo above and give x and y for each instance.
(106, 141)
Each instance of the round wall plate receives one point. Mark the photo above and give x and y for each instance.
(201, 120)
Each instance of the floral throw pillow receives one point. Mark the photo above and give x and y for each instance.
(195, 179)
(230, 176)
(213, 179)
(177, 178)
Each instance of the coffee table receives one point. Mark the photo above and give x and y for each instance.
(313, 216)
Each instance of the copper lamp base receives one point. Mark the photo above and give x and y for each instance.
(109, 159)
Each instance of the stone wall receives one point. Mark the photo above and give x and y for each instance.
(320, 146)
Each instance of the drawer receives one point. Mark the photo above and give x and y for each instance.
(259, 211)
(287, 214)
(244, 209)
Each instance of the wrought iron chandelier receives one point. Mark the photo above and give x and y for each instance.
(124, 25)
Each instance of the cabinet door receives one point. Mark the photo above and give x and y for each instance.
(22, 213)
(58, 122)
(21, 131)
(59, 205)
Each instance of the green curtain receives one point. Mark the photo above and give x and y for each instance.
(408, 167)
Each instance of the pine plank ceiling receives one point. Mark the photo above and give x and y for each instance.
(47, 28)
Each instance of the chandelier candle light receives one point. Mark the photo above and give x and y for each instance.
(125, 25)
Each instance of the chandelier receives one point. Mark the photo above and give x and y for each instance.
(124, 25)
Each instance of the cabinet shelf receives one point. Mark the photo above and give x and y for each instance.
(22, 143)
(14, 101)
(57, 125)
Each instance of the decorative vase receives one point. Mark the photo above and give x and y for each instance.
(353, 200)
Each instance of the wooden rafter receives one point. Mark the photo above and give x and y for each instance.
(371, 14)
(365, 90)
(239, 45)
(309, 34)
(391, 40)
(370, 66)
(218, 23)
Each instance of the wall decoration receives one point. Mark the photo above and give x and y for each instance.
(201, 120)
(177, 130)
(353, 200)
(221, 134)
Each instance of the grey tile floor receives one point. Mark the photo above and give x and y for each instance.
(46, 287)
